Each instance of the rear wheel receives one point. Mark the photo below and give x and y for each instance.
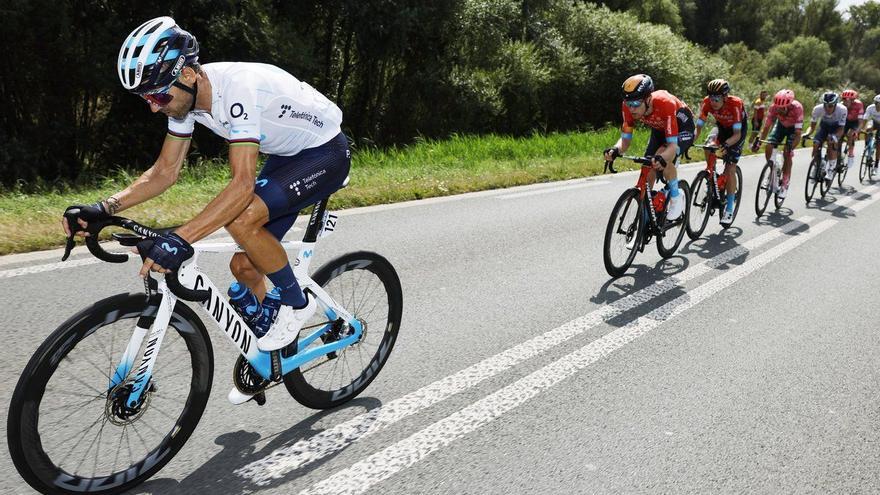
(701, 206)
(367, 285)
(864, 163)
(673, 231)
(623, 234)
(764, 190)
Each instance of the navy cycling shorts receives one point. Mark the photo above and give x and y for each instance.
(288, 184)
(824, 131)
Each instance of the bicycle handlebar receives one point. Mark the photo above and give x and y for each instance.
(99, 252)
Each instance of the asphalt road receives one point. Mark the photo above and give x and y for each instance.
(746, 363)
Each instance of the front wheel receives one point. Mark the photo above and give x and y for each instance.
(623, 234)
(764, 190)
(69, 432)
(825, 184)
(674, 230)
(739, 192)
(814, 177)
(701, 206)
(842, 174)
(366, 285)
(865, 163)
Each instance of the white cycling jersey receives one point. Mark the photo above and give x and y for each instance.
(837, 117)
(871, 113)
(263, 104)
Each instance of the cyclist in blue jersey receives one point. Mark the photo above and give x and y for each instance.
(257, 108)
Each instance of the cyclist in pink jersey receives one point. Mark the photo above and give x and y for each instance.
(855, 112)
(788, 115)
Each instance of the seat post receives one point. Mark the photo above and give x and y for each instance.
(316, 221)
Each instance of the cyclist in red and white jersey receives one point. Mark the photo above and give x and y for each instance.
(786, 116)
(672, 133)
(730, 115)
(855, 111)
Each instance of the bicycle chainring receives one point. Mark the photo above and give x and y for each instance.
(246, 380)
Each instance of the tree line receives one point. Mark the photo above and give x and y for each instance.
(401, 69)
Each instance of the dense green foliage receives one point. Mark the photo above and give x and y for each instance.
(405, 69)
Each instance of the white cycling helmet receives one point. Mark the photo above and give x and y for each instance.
(153, 55)
(877, 100)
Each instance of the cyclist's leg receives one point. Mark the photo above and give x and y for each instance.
(686, 127)
(774, 138)
(787, 137)
(730, 161)
(876, 148)
(852, 128)
(655, 142)
(285, 186)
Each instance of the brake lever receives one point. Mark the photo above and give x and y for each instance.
(73, 226)
(68, 247)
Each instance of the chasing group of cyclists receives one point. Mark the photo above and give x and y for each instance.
(835, 119)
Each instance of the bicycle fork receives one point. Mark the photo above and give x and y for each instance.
(159, 324)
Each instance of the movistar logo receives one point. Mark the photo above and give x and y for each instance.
(262, 182)
(307, 254)
(166, 247)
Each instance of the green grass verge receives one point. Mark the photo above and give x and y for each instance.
(425, 169)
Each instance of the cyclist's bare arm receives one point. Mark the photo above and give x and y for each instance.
(237, 195)
(156, 180)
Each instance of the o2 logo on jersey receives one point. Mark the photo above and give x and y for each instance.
(237, 110)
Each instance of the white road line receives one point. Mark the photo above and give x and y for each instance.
(304, 452)
(27, 270)
(382, 465)
(554, 189)
(109, 246)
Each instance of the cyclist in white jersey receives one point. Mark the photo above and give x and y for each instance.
(831, 115)
(872, 116)
(256, 108)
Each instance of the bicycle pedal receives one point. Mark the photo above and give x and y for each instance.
(276, 366)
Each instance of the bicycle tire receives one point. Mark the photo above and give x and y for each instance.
(812, 171)
(825, 186)
(304, 388)
(25, 441)
(764, 190)
(665, 249)
(864, 164)
(841, 176)
(701, 206)
(628, 201)
(739, 192)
